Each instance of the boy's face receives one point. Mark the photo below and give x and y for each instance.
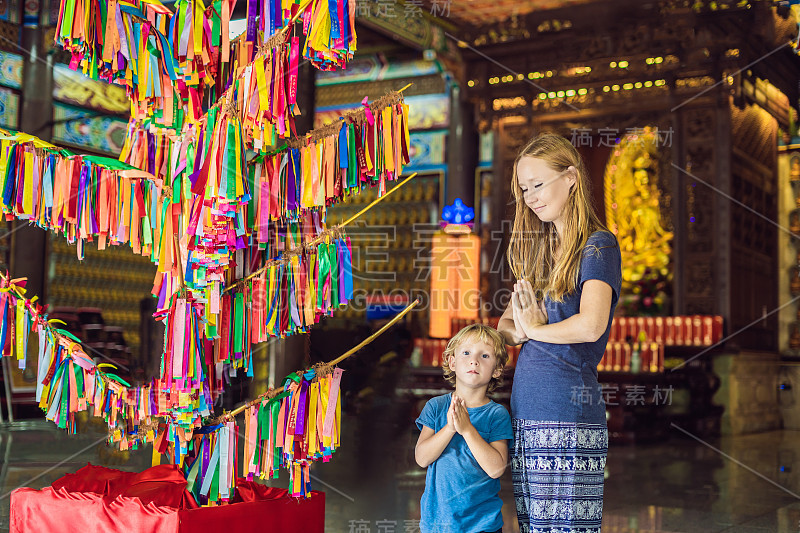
(474, 363)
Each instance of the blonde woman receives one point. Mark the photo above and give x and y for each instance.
(568, 271)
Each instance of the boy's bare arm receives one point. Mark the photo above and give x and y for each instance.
(430, 445)
(492, 457)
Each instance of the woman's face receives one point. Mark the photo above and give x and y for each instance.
(544, 189)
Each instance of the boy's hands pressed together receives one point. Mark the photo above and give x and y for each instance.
(451, 417)
(492, 457)
(461, 419)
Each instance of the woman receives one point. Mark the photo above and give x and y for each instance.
(568, 268)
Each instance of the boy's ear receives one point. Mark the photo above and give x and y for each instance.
(497, 372)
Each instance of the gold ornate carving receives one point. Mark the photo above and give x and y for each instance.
(633, 211)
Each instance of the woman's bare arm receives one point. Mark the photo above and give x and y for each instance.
(588, 325)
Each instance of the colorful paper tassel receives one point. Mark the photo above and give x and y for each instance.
(294, 428)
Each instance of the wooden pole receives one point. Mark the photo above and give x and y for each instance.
(318, 238)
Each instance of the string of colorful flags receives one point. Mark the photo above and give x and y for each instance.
(289, 296)
(290, 426)
(215, 209)
(207, 216)
(68, 380)
(219, 207)
(81, 197)
(169, 58)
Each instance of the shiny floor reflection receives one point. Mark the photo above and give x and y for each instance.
(373, 485)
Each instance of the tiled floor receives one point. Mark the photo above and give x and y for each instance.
(373, 485)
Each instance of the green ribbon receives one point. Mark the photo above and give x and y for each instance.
(216, 23)
(233, 164)
(66, 24)
(182, 7)
(263, 421)
(212, 119)
(239, 318)
(324, 271)
(334, 265)
(108, 162)
(251, 211)
(294, 376)
(68, 334)
(276, 456)
(152, 48)
(118, 379)
(213, 493)
(79, 381)
(103, 14)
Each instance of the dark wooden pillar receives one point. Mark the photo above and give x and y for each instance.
(462, 149)
(291, 353)
(695, 211)
(29, 243)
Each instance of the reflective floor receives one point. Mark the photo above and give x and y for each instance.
(741, 484)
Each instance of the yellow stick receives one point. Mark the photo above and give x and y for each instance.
(377, 200)
(372, 337)
(319, 238)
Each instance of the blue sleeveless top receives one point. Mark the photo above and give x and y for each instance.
(558, 382)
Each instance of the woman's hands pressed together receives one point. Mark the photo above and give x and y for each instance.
(527, 312)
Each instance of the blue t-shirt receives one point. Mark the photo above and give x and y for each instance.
(459, 496)
(558, 382)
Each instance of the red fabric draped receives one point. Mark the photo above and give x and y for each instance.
(96, 498)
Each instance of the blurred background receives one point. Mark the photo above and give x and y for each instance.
(686, 115)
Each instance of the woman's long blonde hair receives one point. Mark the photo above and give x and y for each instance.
(533, 243)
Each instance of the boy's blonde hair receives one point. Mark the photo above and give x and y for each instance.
(486, 334)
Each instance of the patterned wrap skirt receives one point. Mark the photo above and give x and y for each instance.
(557, 469)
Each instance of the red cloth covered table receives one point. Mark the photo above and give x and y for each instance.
(96, 498)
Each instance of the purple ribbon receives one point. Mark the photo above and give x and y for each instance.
(251, 20)
(342, 272)
(151, 153)
(198, 156)
(300, 422)
(291, 188)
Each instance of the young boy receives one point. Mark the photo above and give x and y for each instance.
(463, 439)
